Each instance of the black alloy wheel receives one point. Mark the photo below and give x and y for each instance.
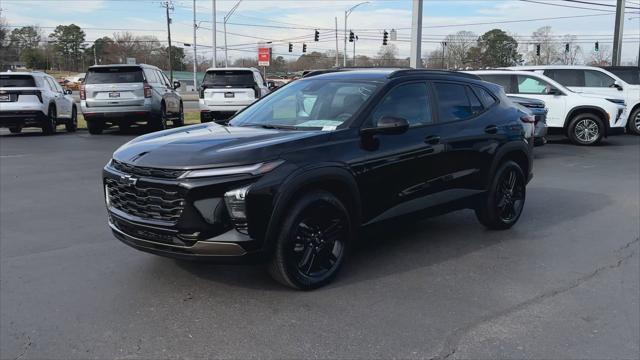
(313, 242)
(50, 123)
(503, 204)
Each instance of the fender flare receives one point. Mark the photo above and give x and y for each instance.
(591, 108)
(307, 176)
(504, 151)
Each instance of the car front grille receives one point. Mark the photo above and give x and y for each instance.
(146, 171)
(145, 202)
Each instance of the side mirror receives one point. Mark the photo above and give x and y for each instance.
(271, 85)
(618, 85)
(68, 92)
(553, 91)
(388, 125)
(176, 84)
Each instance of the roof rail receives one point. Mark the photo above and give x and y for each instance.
(409, 72)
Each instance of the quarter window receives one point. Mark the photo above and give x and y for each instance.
(453, 102)
(409, 102)
(151, 76)
(476, 106)
(485, 98)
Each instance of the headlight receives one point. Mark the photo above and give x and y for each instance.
(255, 169)
(235, 200)
(617, 101)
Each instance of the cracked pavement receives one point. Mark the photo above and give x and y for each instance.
(564, 283)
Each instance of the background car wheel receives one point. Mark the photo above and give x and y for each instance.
(49, 126)
(160, 122)
(180, 121)
(502, 206)
(586, 129)
(72, 124)
(313, 242)
(15, 129)
(95, 127)
(634, 122)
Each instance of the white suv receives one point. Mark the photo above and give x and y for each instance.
(594, 80)
(34, 99)
(225, 91)
(584, 118)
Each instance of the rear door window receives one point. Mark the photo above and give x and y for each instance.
(17, 81)
(531, 85)
(229, 78)
(504, 80)
(453, 102)
(114, 75)
(566, 77)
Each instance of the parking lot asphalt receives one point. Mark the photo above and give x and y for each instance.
(563, 283)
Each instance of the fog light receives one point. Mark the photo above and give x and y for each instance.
(235, 200)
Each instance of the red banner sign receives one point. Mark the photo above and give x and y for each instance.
(264, 56)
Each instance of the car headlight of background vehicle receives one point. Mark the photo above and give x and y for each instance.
(617, 101)
(255, 169)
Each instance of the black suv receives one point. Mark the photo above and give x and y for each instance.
(293, 176)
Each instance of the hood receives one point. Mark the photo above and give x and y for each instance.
(212, 145)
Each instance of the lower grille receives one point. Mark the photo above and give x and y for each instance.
(145, 202)
(151, 235)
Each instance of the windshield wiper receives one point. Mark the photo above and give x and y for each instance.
(271, 126)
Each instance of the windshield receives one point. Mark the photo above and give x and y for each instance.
(114, 75)
(17, 81)
(229, 77)
(308, 104)
(630, 76)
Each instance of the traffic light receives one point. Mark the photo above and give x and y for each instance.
(317, 36)
(290, 47)
(304, 47)
(385, 37)
(597, 46)
(351, 36)
(566, 47)
(537, 49)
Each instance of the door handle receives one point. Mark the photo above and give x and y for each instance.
(491, 129)
(432, 140)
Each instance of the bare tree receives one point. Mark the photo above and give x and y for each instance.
(549, 52)
(457, 48)
(386, 55)
(601, 57)
(574, 55)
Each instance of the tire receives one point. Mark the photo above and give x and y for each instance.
(502, 206)
(180, 121)
(15, 129)
(586, 129)
(313, 242)
(95, 127)
(160, 122)
(633, 125)
(72, 124)
(49, 125)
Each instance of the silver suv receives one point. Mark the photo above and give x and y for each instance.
(35, 99)
(125, 94)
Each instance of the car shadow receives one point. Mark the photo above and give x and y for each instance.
(413, 242)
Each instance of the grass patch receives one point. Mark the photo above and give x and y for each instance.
(190, 117)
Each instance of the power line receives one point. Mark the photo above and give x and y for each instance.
(598, 4)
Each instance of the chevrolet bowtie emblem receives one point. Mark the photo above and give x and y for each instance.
(128, 180)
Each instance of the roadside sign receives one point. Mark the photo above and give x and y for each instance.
(264, 56)
(131, 61)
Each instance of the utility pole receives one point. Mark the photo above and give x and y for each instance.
(213, 35)
(168, 5)
(95, 58)
(195, 54)
(354, 50)
(617, 35)
(444, 45)
(415, 57)
(337, 61)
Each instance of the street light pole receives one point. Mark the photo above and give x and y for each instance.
(226, 18)
(213, 35)
(346, 16)
(195, 54)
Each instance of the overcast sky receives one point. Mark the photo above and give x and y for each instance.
(295, 20)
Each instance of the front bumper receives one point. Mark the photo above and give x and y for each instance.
(22, 118)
